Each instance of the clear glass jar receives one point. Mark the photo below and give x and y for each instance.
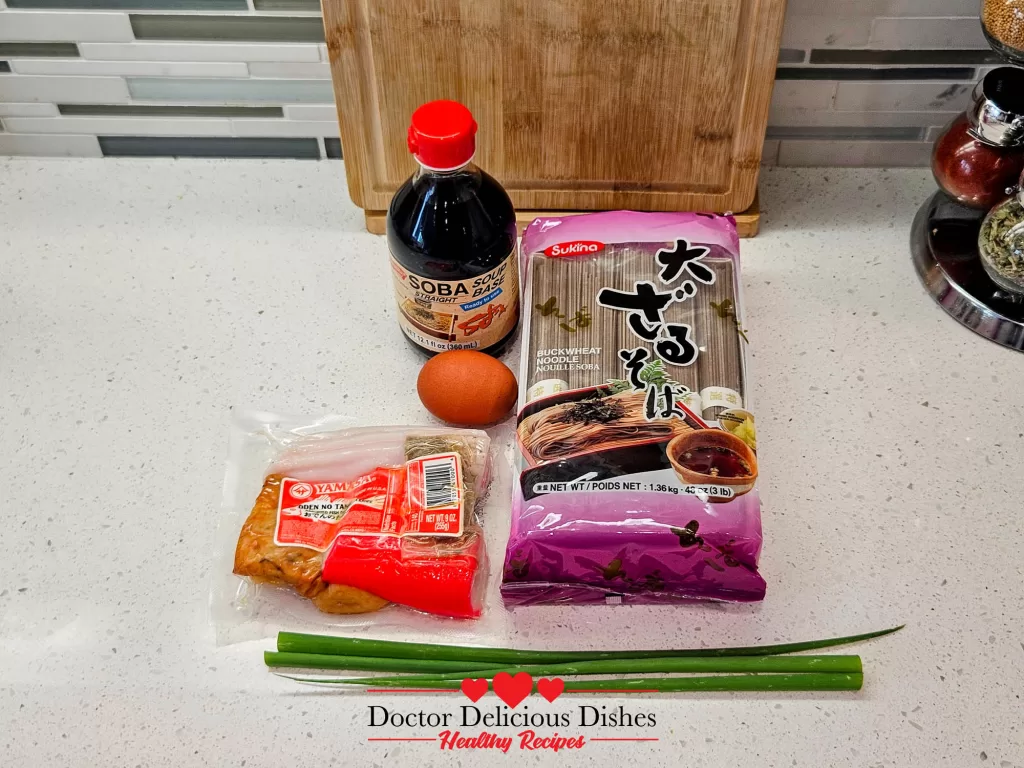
(971, 171)
(1003, 22)
(1001, 244)
(980, 156)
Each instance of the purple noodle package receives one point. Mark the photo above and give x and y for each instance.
(637, 454)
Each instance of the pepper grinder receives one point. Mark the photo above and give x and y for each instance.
(979, 158)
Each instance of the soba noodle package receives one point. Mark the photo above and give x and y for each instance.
(638, 458)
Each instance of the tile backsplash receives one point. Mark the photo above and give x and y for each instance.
(859, 82)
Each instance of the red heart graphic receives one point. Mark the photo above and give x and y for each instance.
(550, 689)
(474, 689)
(512, 690)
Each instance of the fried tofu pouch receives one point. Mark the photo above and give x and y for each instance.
(259, 558)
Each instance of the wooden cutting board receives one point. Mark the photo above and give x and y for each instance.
(654, 105)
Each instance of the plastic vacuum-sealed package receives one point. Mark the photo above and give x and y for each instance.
(637, 452)
(346, 527)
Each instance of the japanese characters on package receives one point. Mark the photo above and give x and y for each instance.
(638, 456)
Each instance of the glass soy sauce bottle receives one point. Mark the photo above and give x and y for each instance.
(452, 235)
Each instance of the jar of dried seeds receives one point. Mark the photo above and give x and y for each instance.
(1001, 244)
(1003, 22)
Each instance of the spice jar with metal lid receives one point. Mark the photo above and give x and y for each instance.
(980, 156)
(1001, 244)
(1003, 23)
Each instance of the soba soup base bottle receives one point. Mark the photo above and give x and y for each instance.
(452, 235)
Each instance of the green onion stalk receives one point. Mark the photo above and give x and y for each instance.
(810, 681)
(292, 642)
(788, 664)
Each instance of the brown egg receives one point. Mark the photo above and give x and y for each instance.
(467, 388)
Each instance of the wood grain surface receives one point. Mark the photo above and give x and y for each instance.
(582, 105)
(748, 222)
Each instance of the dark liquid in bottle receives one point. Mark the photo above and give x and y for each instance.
(451, 226)
(715, 461)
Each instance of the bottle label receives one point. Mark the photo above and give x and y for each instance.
(422, 498)
(440, 315)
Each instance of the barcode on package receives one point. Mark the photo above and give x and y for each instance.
(440, 482)
(435, 495)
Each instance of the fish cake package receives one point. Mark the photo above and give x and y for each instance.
(331, 525)
(637, 452)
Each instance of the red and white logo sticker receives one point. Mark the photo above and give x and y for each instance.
(575, 248)
(301, 491)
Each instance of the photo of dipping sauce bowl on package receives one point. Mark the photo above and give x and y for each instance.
(714, 457)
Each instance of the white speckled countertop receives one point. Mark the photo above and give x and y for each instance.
(140, 301)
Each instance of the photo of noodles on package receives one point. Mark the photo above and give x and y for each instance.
(638, 456)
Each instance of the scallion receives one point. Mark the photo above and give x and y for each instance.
(370, 663)
(292, 642)
(451, 670)
(810, 681)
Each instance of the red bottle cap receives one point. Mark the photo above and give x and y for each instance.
(442, 135)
